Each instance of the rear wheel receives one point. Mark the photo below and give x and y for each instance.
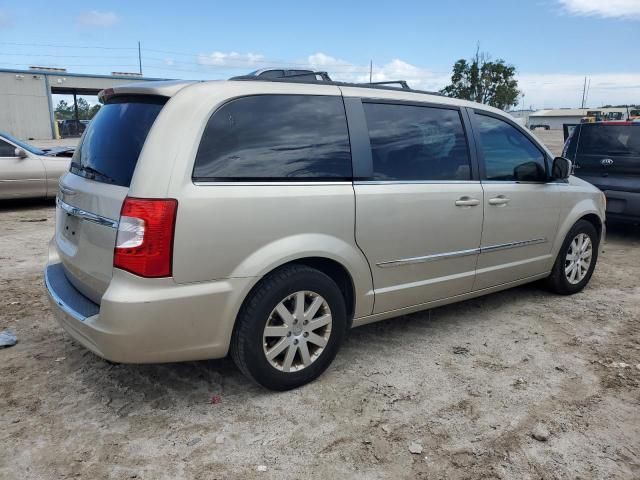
(576, 259)
(290, 328)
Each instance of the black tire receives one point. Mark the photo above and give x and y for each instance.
(558, 281)
(247, 341)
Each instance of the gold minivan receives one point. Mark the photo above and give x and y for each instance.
(264, 218)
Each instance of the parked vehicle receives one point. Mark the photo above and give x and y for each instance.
(634, 115)
(607, 155)
(266, 218)
(73, 128)
(27, 171)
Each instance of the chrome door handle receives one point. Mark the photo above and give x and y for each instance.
(499, 200)
(467, 202)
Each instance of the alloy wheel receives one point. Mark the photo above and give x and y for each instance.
(297, 331)
(578, 259)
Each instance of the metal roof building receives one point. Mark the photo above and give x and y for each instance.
(26, 104)
(557, 117)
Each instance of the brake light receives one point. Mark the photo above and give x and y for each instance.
(144, 244)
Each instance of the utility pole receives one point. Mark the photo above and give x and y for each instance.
(586, 95)
(139, 58)
(584, 88)
(370, 70)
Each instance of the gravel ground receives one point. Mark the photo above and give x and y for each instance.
(466, 387)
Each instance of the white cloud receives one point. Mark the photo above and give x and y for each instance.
(231, 59)
(396, 69)
(565, 90)
(603, 8)
(541, 90)
(94, 18)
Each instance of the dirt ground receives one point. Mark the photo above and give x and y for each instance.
(468, 384)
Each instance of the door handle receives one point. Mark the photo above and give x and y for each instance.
(499, 200)
(467, 202)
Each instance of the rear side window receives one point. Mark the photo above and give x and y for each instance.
(508, 154)
(109, 149)
(417, 143)
(6, 149)
(610, 139)
(276, 137)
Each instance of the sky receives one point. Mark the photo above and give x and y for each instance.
(553, 44)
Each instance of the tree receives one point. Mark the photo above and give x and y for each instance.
(482, 80)
(93, 110)
(64, 111)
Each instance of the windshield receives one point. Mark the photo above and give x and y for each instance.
(610, 139)
(21, 144)
(109, 149)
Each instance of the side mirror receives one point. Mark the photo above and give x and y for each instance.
(21, 153)
(561, 169)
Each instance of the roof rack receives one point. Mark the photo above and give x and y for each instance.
(303, 78)
(403, 83)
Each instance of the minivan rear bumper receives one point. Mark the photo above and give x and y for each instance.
(148, 320)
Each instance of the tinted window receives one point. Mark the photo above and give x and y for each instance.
(417, 143)
(276, 137)
(108, 152)
(610, 139)
(508, 153)
(6, 149)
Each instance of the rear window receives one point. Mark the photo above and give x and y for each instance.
(109, 149)
(610, 139)
(276, 137)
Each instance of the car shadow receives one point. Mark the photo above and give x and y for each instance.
(26, 204)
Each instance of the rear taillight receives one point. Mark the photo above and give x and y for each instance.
(144, 245)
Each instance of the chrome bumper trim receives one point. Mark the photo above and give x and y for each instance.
(84, 215)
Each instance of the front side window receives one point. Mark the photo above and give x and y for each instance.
(508, 154)
(6, 149)
(416, 143)
(276, 137)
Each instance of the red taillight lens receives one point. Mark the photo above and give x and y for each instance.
(144, 245)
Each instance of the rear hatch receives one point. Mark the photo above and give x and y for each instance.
(92, 193)
(608, 155)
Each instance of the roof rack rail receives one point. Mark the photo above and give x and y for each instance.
(304, 78)
(402, 83)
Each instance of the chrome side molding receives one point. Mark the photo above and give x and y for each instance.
(84, 215)
(459, 253)
(428, 258)
(504, 246)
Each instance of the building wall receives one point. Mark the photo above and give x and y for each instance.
(555, 123)
(24, 106)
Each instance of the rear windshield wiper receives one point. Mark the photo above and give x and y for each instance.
(92, 173)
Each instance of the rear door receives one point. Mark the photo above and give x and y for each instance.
(20, 177)
(608, 156)
(418, 201)
(92, 193)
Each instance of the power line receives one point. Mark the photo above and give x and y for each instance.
(65, 46)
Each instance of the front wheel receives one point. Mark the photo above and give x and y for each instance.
(576, 259)
(290, 328)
